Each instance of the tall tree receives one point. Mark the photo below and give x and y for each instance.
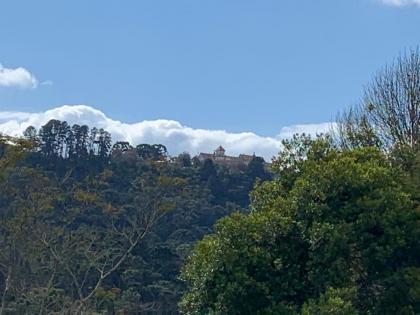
(389, 113)
(104, 143)
(49, 136)
(63, 134)
(93, 141)
(80, 140)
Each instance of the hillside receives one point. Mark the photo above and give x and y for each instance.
(84, 220)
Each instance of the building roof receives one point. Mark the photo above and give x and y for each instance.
(206, 154)
(219, 157)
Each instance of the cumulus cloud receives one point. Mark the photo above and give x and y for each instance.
(175, 136)
(401, 2)
(19, 77)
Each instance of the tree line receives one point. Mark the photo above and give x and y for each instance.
(57, 139)
(88, 226)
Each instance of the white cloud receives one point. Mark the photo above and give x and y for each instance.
(400, 3)
(312, 129)
(19, 77)
(47, 82)
(175, 136)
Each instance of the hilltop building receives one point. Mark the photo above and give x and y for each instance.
(219, 157)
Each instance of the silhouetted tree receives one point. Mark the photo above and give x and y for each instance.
(81, 138)
(104, 143)
(49, 137)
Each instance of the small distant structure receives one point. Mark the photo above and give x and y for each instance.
(220, 151)
(219, 157)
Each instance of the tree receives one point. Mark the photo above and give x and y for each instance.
(49, 136)
(184, 159)
(71, 243)
(60, 247)
(389, 113)
(152, 152)
(11, 151)
(208, 170)
(256, 169)
(31, 135)
(21, 229)
(104, 143)
(93, 141)
(334, 301)
(343, 223)
(80, 141)
(62, 136)
(17, 226)
(121, 146)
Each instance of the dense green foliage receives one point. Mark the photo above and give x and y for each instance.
(88, 226)
(95, 227)
(336, 232)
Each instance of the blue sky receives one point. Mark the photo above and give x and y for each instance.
(237, 65)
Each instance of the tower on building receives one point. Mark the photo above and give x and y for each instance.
(220, 151)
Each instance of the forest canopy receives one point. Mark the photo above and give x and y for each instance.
(337, 230)
(89, 226)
